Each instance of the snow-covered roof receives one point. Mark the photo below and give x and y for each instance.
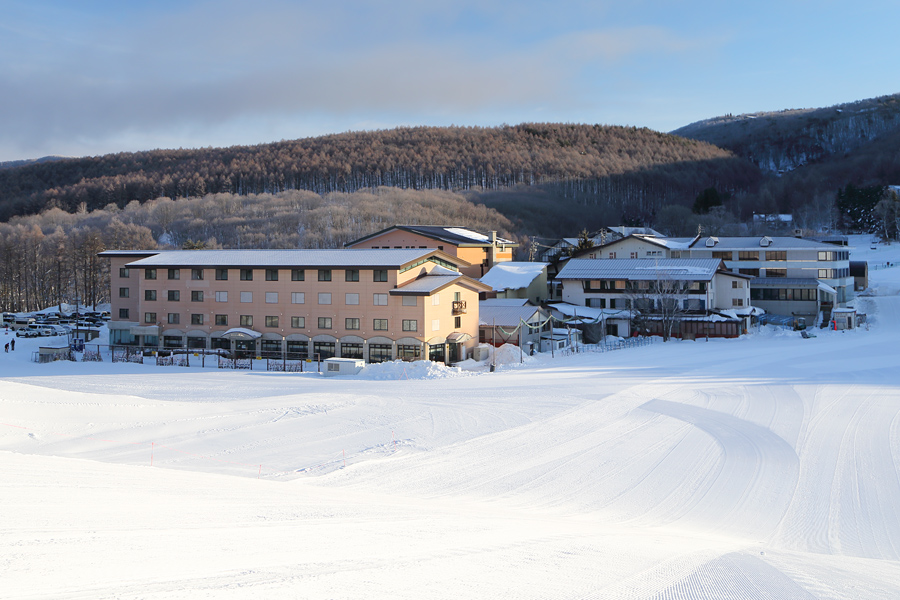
(425, 285)
(641, 269)
(460, 236)
(242, 332)
(513, 275)
(827, 288)
(626, 231)
(753, 243)
(508, 316)
(284, 258)
(672, 243)
(571, 310)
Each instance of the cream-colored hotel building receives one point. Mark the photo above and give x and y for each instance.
(376, 305)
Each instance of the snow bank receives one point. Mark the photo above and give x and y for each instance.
(398, 369)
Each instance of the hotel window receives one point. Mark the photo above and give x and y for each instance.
(221, 296)
(298, 298)
(776, 272)
(324, 274)
(246, 274)
(435, 324)
(271, 321)
(196, 319)
(221, 274)
(271, 274)
(221, 319)
(380, 324)
(246, 320)
(752, 272)
(722, 254)
(271, 297)
(246, 297)
(351, 275)
(409, 301)
(174, 318)
(324, 298)
(324, 322)
(196, 274)
(737, 301)
(379, 275)
(612, 254)
(298, 275)
(173, 295)
(737, 284)
(124, 273)
(298, 322)
(149, 317)
(457, 322)
(380, 299)
(776, 255)
(124, 292)
(436, 300)
(748, 254)
(351, 323)
(149, 295)
(351, 299)
(174, 273)
(149, 273)
(196, 295)
(410, 325)
(123, 313)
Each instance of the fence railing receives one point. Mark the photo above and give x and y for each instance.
(604, 346)
(290, 362)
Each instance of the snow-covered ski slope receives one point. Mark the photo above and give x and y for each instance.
(764, 467)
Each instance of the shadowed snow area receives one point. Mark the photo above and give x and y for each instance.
(762, 467)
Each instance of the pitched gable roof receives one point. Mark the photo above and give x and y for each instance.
(458, 236)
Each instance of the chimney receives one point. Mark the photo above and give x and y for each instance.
(493, 238)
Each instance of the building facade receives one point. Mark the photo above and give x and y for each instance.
(696, 291)
(372, 304)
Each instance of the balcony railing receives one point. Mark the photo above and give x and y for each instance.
(459, 307)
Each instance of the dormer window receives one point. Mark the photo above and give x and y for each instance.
(711, 241)
(765, 242)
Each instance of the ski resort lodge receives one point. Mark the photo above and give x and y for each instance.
(375, 305)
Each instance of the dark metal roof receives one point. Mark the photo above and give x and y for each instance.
(641, 269)
(458, 236)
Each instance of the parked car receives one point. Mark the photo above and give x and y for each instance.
(28, 333)
(52, 330)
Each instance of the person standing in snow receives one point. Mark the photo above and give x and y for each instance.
(12, 345)
(6, 347)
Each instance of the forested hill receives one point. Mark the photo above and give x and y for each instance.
(449, 158)
(784, 140)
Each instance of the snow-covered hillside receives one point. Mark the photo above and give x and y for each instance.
(762, 467)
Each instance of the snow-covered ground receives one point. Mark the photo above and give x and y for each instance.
(763, 467)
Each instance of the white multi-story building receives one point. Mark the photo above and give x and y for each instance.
(702, 289)
(791, 276)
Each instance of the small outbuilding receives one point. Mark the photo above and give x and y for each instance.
(844, 318)
(342, 366)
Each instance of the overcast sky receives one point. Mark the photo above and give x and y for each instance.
(90, 77)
